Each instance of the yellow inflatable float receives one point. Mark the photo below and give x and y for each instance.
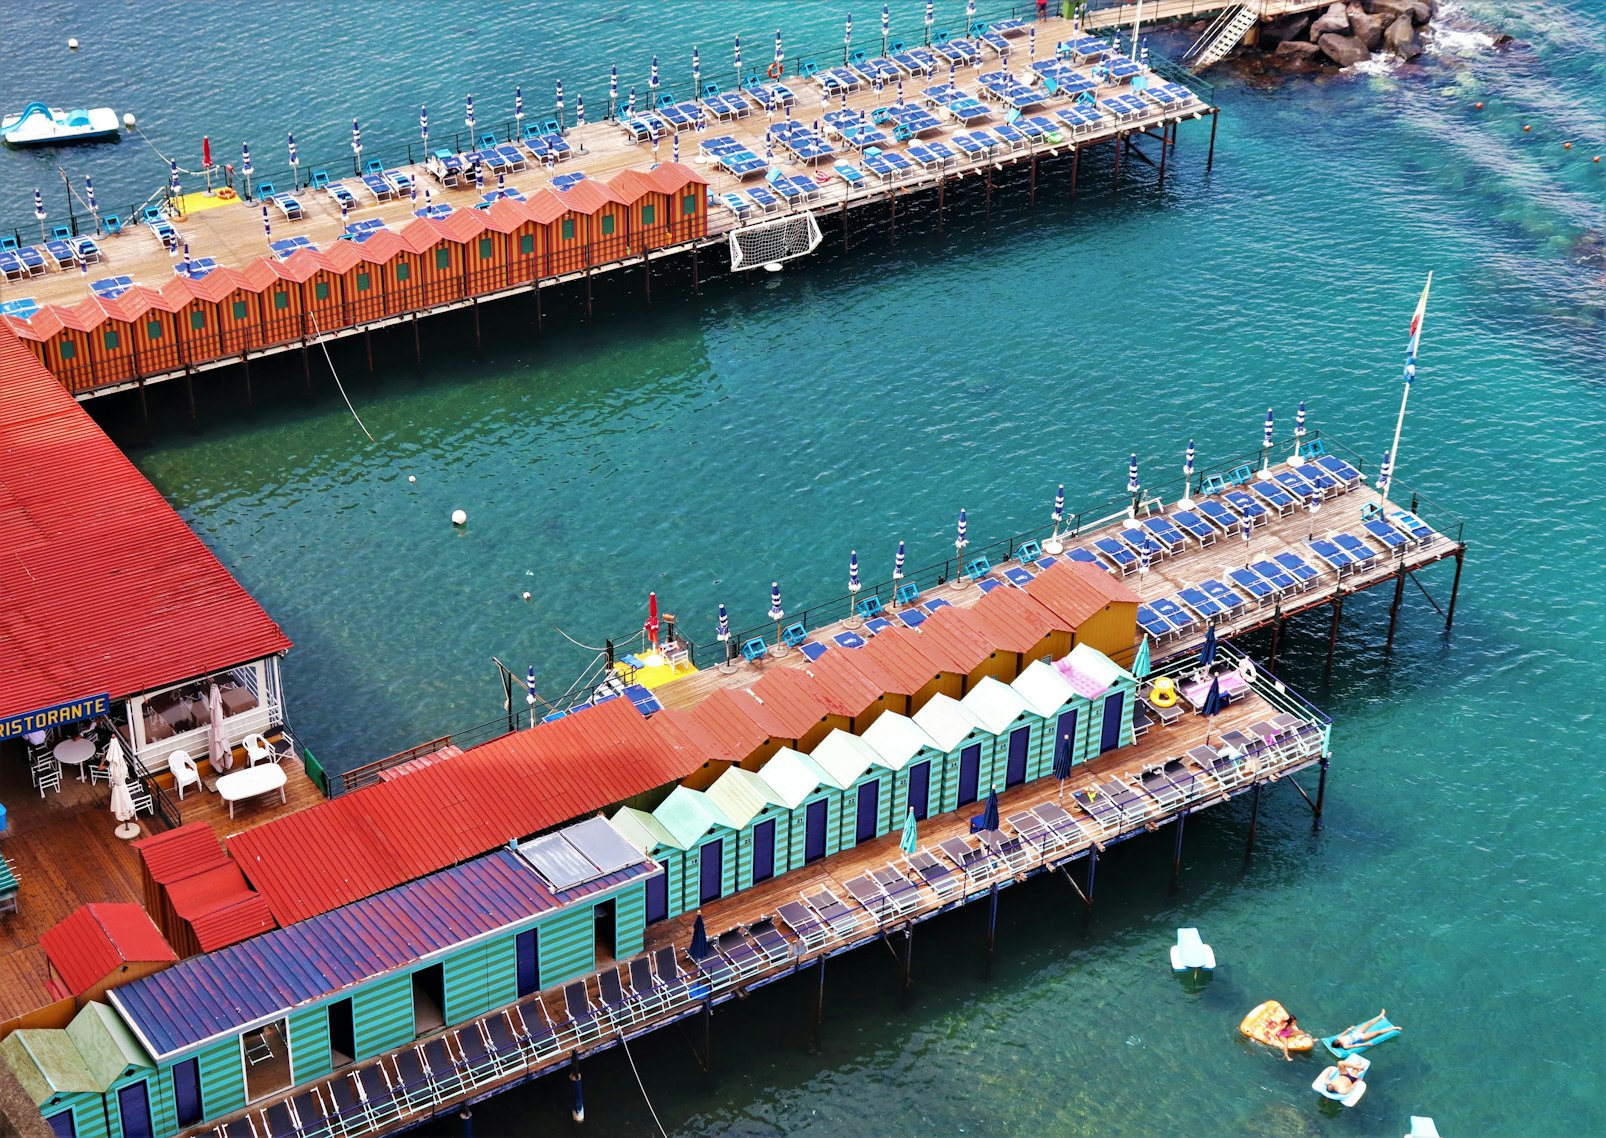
(1265, 1022)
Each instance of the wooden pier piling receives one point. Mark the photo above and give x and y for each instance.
(1455, 588)
(1176, 852)
(816, 1030)
(1332, 634)
(1254, 817)
(577, 1109)
(992, 923)
(1394, 608)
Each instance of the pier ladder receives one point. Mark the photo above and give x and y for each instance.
(1223, 34)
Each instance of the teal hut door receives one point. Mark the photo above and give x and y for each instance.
(764, 850)
(1015, 771)
(712, 870)
(814, 830)
(920, 790)
(342, 1033)
(1111, 737)
(134, 1104)
(869, 808)
(969, 774)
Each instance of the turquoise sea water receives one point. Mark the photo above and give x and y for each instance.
(704, 448)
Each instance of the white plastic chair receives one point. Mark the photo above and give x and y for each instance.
(184, 772)
(257, 750)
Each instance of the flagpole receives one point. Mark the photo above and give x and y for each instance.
(1410, 374)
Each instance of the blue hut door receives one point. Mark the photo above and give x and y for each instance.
(528, 963)
(62, 1125)
(1015, 772)
(920, 789)
(969, 774)
(712, 871)
(134, 1104)
(1065, 733)
(814, 818)
(764, 850)
(1111, 737)
(869, 810)
(187, 1092)
(658, 896)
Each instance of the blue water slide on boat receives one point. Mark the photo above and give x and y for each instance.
(1389, 1032)
(39, 125)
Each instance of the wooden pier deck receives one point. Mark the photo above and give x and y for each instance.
(1165, 577)
(232, 234)
(66, 855)
(396, 1103)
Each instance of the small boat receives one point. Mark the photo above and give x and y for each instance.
(39, 125)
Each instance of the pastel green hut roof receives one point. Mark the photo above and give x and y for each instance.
(897, 739)
(642, 830)
(1044, 690)
(792, 776)
(739, 794)
(46, 1063)
(946, 721)
(109, 1048)
(845, 756)
(994, 704)
(688, 815)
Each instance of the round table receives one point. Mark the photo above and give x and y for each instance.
(74, 752)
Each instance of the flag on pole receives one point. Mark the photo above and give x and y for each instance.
(1416, 330)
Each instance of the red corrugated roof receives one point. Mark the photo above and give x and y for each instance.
(231, 923)
(1075, 590)
(949, 637)
(731, 723)
(95, 940)
(673, 176)
(1011, 620)
(788, 704)
(897, 652)
(180, 853)
(631, 185)
(845, 686)
(104, 587)
(356, 845)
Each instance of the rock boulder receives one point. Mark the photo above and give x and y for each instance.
(1297, 49)
(1345, 50)
(1386, 10)
(1279, 31)
(1401, 38)
(1333, 20)
(1365, 27)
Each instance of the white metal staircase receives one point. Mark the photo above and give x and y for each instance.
(1223, 34)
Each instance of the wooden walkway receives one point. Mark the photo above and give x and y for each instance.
(232, 233)
(489, 1055)
(66, 855)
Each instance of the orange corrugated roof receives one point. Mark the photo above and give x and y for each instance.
(381, 246)
(94, 941)
(544, 206)
(462, 225)
(675, 176)
(630, 186)
(587, 196)
(949, 637)
(844, 685)
(504, 215)
(73, 625)
(380, 836)
(1011, 620)
(731, 724)
(44, 324)
(342, 256)
(1075, 590)
(259, 273)
(220, 283)
(789, 703)
(908, 668)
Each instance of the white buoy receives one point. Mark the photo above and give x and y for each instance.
(526, 594)
(412, 478)
(72, 45)
(459, 517)
(128, 120)
(772, 267)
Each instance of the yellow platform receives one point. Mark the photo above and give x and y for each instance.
(192, 203)
(655, 671)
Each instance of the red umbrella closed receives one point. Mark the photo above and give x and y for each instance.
(651, 627)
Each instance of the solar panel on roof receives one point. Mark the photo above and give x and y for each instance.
(560, 863)
(602, 845)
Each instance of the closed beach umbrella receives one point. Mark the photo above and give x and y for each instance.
(529, 693)
(1032, 49)
(1140, 659)
(931, 16)
(184, 265)
(267, 229)
(1143, 559)
(560, 103)
(886, 26)
(1207, 650)
(1132, 485)
(897, 564)
(900, 86)
(1062, 763)
(89, 189)
(39, 202)
(1385, 473)
(630, 107)
(172, 183)
(479, 175)
(1059, 507)
(651, 625)
(122, 799)
(518, 105)
(776, 612)
(652, 78)
(423, 124)
(699, 940)
(1213, 702)
(468, 113)
(613, 89)
(217, 743)
(960, 541)
(246, 169)
(853, 571)
(724, 630)
(295, 161)
(1187, 470)
(989, 813)
(780, 54)
(356, 138)
(1299, 433)
(847, 33)
(674, 155)
(738, 54)
(579, 110)
(970, 15)
(909, 841)
(696, 71)
(501, 179)
(1265, 444)
(1247, 529)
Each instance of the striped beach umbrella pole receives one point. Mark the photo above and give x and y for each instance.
(674, 155)
(722, 633)
(295, 162)
(897, 574)
(1133, 486)
(960, 541)
(184, 265)
(518, 109)
(1032, 45)
(630, 107)
(776, 613)
(529, 693)
(39, 202)
(696, 73)
(579, 111)
(246, 169)
(1265, 447)
(267, 227)
(1187, 478)
(886, 25)
(931, 16)
(738, 55)
(89, 193)
(559, 90)
(1297, 459)
(356, 146)
(847, 39)
(970, 17)
(652, 85)
(853, 620)
(1053, 544)
(423, 127)
(468, 119)
(780, 53)
(613, 90)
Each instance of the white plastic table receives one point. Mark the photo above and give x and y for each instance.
(74, 752)
(250, 782)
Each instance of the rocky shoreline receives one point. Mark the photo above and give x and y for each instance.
(1341, 35)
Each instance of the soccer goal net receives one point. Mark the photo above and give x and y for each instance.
(771, 241)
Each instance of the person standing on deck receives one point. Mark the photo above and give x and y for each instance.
(1042, 9)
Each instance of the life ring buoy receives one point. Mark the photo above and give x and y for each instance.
(776, 70)
(822, 177)
(1247, 671)
(225, 194)
(1164, 693)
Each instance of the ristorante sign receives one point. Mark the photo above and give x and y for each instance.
(15, 726)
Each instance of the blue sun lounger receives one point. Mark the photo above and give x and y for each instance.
(1252, 583)
(1337, 468)
(1223, 596)
(766, 201)
(1418, 529)
(1297, 485)
(877, 625)
(380, 189)
(1011, 136)
(912, 618)
(1154, 623)
(1217, 515)
(1119, 555)
(287, 245)
(1179, 617)
(1274, 575)
(849, 640)
(1390, 537)
(23, 307)
(915, 61)
(1355, 547)
(59, 252)
(1329, 552)
(936, 603)
(1017, 576)
(1201, 602)
(1269, 492)
(1195, 527)
(342, 195)
(737, 204)
(1298, 568)
(1244, 503)
(726, 106)
(880, 68)
(1167, 532)
(111, 287)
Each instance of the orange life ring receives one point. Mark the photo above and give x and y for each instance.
(225, 193)
(776, 70)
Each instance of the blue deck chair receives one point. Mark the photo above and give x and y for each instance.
(375, 166)
(869, 607)
(320, 180)
(936, 603)
(1252, 583)
(114, 225)
(1212, 484)
(812, 652)
(809, 69)
(978, 567)
(60, 232)
(1018, 576)
(912, 618)
(1313, 449)
(988, 584)
(753, 651)
(1297, 567)
(1358, 550)
(1238, 475)
(710, 90)
(794, 634)
(1386, 534)
(877, 626)
(849, 640)
(908, 593)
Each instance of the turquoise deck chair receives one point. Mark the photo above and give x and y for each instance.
(869, 607)
(794, 634)
(978, 567)
(908, 593)
(1028, 551)
(754, 649)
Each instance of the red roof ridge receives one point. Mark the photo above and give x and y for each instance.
(95, 940)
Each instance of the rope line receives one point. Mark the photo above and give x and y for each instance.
(625, 1043)
(342, 387)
